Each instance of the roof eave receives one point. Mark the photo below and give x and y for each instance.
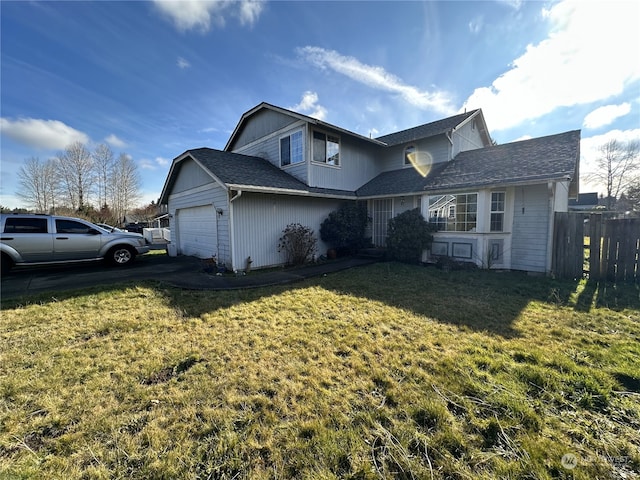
(288, 191)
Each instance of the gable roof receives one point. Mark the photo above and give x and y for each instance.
(554, 157)
(314, 121)
(245, 172)
(427, 130)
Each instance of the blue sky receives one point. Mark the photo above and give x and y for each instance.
(153, 79)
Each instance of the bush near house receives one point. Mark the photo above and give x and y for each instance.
(408, 235)
(344, 229)
(298, 243)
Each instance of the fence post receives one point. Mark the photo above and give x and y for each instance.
(595, 245)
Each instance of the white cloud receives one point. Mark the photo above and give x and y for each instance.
(147, 164)
(115, 141)
(606, 115)
(163, 162)
(250, 11)
(201, 14)
(309, 106)
(515, 4)
(476, 24)
(377, 78)
(42, 134)
(183, 63)
(587, 56)
(590, 151)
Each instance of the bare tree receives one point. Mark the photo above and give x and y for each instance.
(617, 165)
(103, 162)
(38, 184)
(124, 186)
(76, 171)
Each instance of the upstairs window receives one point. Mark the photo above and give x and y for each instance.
(291, 151)
(408, 154)
(497, 211)
(326, 149)
(454, 213)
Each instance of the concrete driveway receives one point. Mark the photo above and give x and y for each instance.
(25, 281)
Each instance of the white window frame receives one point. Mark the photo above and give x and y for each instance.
(326, 152)
(452, 224)
(409, 149)
(493, 212)
(291, 156)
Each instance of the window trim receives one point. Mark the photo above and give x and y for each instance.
(497, 212)
(288, 136)
(407, 162)
(326, 152)
(455, 221)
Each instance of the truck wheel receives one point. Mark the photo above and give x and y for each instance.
(121, 255)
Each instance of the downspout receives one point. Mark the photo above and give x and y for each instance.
(232, 198)
(552, 201)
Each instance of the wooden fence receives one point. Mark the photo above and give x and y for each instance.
(603, 248)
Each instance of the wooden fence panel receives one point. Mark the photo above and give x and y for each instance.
(595, 245)
(568, 251)
(614, 247)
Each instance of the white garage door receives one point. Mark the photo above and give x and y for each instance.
(197, 231)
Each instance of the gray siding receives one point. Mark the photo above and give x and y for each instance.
(269, 149)
(262, 123)
(205, 195)
(402, 204)
(189, 176)
(438, 148)
(258, 221)
(466, 138)
(359, 163)
(530, 229)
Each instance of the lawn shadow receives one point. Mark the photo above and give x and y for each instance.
(604, 294)
(480, 300)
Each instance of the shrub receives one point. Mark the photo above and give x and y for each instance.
(408, 234)
(298, 244)
(345, 227)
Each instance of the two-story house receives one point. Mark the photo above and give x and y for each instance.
(493, 204)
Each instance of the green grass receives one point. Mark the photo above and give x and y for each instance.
(385, 371)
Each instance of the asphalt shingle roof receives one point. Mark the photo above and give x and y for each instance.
(248, 171)
(424, 131)
(538, 159)
(552, 157)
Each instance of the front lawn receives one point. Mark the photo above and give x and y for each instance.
(385, 371)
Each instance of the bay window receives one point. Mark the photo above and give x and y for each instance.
(454, 213)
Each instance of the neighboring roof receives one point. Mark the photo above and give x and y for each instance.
(427, 130)
(314, 121)
(554, 157)
(585, 200)
(239, 172)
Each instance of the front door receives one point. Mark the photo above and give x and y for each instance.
(382, 212)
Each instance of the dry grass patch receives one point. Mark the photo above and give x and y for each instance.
(387, 371)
